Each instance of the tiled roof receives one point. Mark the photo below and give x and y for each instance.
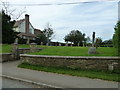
(30, 35)
(17, 23)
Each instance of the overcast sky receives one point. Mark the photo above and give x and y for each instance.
(99, 17)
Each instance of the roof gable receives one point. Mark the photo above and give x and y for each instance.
(17, 23)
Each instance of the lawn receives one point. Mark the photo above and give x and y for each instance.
(75, 51)
(105, 75)
(64, 51)
(6, 48)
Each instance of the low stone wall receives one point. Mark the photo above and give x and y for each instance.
(4, 57)
(27, 50)
(99, 63)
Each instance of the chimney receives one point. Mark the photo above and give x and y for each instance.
(26, 23)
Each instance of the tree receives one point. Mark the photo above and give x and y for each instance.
(12, 12)
(108, 43)
(116, 37)
(88, 41)
(41, 38)
(48, 32)
(98, 42)
(8, 35)
(76, 37)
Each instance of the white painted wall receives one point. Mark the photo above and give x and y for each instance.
(21, 28)
(31, 29)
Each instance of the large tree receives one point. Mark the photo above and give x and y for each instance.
(98, 42)
(108, 43)
(76, 37)
(8, 35)
(116, 36)
(41, 38)
(48, 32)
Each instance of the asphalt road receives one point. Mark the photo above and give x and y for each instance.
(9, 83)
(53, 79)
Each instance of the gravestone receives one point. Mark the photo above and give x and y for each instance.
(92, 50)
(66, 44)
(16, 41)
(41, 43)
(28, 41)
(59, 44)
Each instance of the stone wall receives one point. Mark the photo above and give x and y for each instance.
(6, 57)
(100, 63)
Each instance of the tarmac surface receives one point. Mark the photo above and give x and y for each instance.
(53, 79)
(9, 83)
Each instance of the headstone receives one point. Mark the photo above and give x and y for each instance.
(66, 44)
(78, 44)
(59, 44)
(16, 41)
(71, 44)
(28, 41)
(92, 50)
(47, 44)
(41, 43)
(93, 39)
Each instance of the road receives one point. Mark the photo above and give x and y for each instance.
(53, 79)
(9, 83)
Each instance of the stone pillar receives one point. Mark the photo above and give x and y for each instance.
(33, 47)
(15, 52)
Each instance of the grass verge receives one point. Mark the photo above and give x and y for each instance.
(95, 74)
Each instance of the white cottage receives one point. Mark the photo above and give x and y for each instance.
(25, 28)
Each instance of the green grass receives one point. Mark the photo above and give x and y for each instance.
(63, 50)
(95, 74)
(7, 48)
(75, 51)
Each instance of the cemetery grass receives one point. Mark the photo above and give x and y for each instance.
(75, 51)
(94, 74)
(63, 50)
(7, 48)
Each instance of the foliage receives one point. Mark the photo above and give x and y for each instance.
(76, 37)
(41, 38)
(115, 35)
(88, 40)
(98, 42)
(107, 43)
(48, 32)
(105, 75)
(8, 35)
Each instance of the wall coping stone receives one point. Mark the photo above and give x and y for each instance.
(73, 57)
(6, 53)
